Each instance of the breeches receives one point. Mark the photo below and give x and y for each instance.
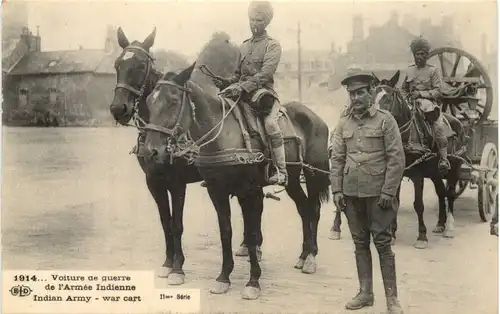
(439, 130)
(365, 217)
(271, 126)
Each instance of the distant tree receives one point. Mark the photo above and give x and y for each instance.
(167, 60)
(219, 55)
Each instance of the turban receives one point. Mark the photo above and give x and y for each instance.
(262, 8)
(420, 44)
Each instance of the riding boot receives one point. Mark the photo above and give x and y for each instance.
(444, 164)
(388, 269)
(365, 275)
(278, 147)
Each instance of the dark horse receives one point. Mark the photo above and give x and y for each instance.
(136, 78)
(180, 108)
(422, 162)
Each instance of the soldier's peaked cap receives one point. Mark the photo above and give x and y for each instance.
(356, 78)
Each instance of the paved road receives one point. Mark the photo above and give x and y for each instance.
(74, 199)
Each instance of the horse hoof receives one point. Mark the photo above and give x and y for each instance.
(449, 234)
(393, 241)
(242, 251)
(421, 244)
(334, 235)
(309, 265)
(300, 264)
(251, 293)
(438, 229)
(163, 272)
(220, 287)
(175, 279)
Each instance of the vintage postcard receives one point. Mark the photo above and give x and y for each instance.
(249, 157)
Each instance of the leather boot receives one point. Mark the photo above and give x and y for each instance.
(388, 269)
(281, 175)
(365, 295)
(444, 164)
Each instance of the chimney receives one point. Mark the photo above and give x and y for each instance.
(357, 28)
(33, 42)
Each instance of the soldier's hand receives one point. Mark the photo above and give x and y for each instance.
(220, 82)
(386, 201)
(338, 200)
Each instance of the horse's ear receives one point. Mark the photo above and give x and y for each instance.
(150, 40)
(184, 76)
(394, 79)
(122, 39)
(376, 81)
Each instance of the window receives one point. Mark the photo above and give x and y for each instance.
(52, 96)
(23, 97)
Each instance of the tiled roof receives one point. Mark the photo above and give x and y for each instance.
(57, 62)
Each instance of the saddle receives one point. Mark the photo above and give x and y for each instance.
(427, 136)
(257, 146)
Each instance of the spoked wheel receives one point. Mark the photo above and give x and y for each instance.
(488, 191)
(470, 88)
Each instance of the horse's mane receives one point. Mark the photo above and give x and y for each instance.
(219, 55)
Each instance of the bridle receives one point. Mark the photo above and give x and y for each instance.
(184, 145)
(396, 93)
(138, 92)
(177, 129)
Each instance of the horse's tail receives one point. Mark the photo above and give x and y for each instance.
(317, 133)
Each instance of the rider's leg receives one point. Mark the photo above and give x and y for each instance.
(439, 129)
(276, 138)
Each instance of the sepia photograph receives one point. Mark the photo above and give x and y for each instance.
(247, 156)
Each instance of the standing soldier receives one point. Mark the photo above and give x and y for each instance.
(254, 79)
(367, 164)
(423, 83)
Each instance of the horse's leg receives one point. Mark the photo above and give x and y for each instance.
(220, 199)
(296, 193)
(337, 222)
(394, 226)
(160, 195)
(449, 231)
(418, 204)
(252, 207)
(314, 206)
(243, 249)
(440, 188)
(178, 195)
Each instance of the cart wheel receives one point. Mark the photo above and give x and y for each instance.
(487, 193)
(458, 66)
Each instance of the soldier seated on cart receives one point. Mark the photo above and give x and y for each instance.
(423, 84)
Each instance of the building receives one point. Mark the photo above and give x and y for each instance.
(74, 86)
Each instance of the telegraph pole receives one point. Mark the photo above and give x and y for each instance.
(299, 65)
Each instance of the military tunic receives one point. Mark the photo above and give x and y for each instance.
(257, 63)
(367, 156)
(426, 80)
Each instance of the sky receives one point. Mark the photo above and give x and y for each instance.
(185, 26)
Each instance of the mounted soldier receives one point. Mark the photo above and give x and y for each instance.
(423, 84)
(253, 80)
(367, 164)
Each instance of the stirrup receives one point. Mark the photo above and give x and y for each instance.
(279, 178)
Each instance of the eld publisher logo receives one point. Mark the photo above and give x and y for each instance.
(20, 291)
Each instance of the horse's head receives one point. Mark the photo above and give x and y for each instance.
(388, 97)
(133, 69)
(170, 114)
